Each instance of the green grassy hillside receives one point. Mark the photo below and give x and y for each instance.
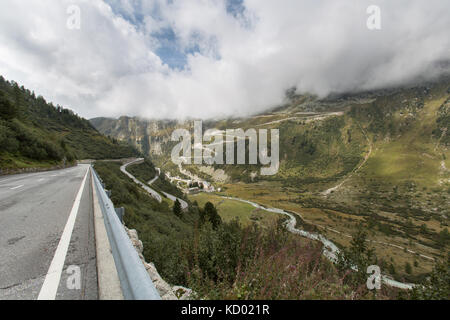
(230, 260)
(321, 141)
(375, 161)
(34, 133)
(398, 189)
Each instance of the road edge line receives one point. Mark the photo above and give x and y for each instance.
(50, 286)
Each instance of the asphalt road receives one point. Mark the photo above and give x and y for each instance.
(152, 192)
(35, 211)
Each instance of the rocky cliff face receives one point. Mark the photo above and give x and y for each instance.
(149, 136)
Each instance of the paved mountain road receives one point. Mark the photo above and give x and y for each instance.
(34, 213)
(184, 204)
(152, 192)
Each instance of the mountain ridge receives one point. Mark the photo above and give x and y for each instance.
(37, 134)
(382, 156)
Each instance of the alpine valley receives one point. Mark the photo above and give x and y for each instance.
(374, 161)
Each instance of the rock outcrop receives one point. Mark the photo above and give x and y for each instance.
(165, 290)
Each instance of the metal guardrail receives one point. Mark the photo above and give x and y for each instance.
(134, 279)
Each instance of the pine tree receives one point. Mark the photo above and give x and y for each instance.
(210, 213)
(7, 110)
(357, 258)
(177, 208)
(436, 286)
(408, 268)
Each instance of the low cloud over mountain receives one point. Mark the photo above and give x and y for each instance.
(214, 58)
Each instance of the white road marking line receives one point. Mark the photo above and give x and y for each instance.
(17, 187)
(53, 277)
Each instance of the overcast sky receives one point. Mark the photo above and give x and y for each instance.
(215, 58)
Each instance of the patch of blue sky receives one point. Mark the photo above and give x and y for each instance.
(169, 50)
(176, 56)
(128, 10)
(235, 7)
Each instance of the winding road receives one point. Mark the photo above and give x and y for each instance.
(306, 117)
(152, 192)
(183, 203)
(330, 250)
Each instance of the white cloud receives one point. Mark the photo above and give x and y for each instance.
(240, 65)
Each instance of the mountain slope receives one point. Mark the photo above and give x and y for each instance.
(375, 161)
(321, 141)
(34, 133)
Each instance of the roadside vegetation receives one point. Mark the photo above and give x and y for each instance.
(225, 260)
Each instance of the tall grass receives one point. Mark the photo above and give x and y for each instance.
(273, 265)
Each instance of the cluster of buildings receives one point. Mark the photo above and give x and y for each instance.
(193, 186)
(200, 186)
